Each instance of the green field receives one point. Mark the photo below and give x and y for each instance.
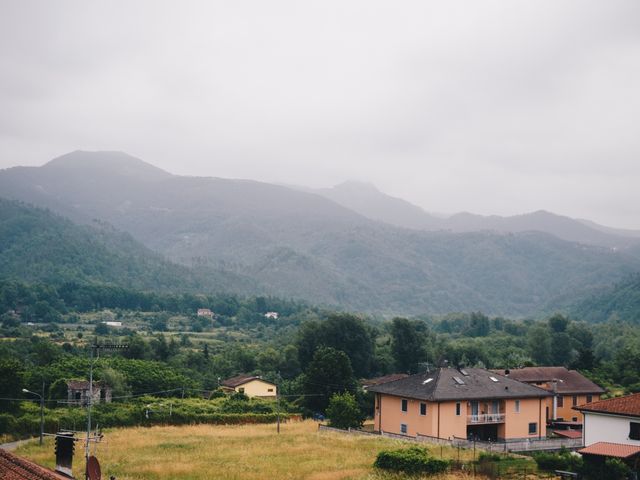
(239, 452)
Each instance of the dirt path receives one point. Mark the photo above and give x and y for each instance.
(13, 445)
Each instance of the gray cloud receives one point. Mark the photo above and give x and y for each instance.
(493, 107)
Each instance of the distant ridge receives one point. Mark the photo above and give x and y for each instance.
(367, 200)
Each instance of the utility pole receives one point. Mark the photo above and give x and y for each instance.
(89, 403)
(278, 408)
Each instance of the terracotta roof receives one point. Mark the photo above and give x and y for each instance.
(13, 467)
(380, 380)
(629, 406)
(568, 433)
(569, 381)
(606, 449)
(241, 380)
(464, 384)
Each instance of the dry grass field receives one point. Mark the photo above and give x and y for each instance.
(248, 452)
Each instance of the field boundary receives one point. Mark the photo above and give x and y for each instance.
(518, 446)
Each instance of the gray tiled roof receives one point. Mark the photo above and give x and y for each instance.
(476, 384)
(568, 381)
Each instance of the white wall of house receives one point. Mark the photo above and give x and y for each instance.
(608, 428)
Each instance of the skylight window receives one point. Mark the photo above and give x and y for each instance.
(494, 379)
(464, 372)
(458, 380)
(427, 381)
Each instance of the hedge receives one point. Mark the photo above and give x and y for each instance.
(141, 412)
(413, 460)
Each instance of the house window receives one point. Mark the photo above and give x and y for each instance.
(574, 419)
(404, 405)
(589, 398)
(517, 406)
(269, 389)
(403, 428)
(533, 428)
(458, 409)
(634, 431)
(241, 389)
(561, 401)
(423, 409)
(575, 400)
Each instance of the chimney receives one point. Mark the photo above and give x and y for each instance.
(64, 453)
(506, 372)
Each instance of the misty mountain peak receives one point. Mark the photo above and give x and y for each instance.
(107, 162)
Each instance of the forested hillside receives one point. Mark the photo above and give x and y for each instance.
(301, 245)
(620, 302)
(37, 245)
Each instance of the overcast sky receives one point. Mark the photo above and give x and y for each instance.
(491, 107)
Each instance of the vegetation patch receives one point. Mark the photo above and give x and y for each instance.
(413, 460)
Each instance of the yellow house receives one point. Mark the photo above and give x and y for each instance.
(251, 386)
(460, 403)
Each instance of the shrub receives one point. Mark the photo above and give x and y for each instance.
(611, 469)
(239, 396)
(616, 469)
(413, 461)
(489, 457)
(343, 411)
(564, 460)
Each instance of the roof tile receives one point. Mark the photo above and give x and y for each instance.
(13, 467)
(629, 405)
(569, 381)
(607, 449)
(452, 384)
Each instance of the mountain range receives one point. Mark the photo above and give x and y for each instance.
(367, 200)
(351, 246)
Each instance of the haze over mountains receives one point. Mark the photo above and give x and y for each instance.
(350, 246)
(367, 200)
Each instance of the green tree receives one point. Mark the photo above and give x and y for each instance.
(116, 380)
(11, 380)
(407, 345)
(329, 372)
(558, 323)
(342, 331)
(343, 411)
(539, 344)
(561, 350)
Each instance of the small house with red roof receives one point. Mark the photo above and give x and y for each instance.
(250, 385)
(615, 420)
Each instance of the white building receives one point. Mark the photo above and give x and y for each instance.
(616, 420)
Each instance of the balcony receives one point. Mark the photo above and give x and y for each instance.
(485, 418)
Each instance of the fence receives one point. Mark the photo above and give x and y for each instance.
(488, 469)
(527, 445)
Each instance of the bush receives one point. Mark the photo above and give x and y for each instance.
(489, 457)
(343, 411)
(611, 469)
(564, 460)
(413, 461)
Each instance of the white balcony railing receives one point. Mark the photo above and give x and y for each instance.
(486, 418)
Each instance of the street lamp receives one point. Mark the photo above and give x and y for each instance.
(41, 409)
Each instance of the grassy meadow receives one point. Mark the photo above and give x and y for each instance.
(248, 452)
(232, 452)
